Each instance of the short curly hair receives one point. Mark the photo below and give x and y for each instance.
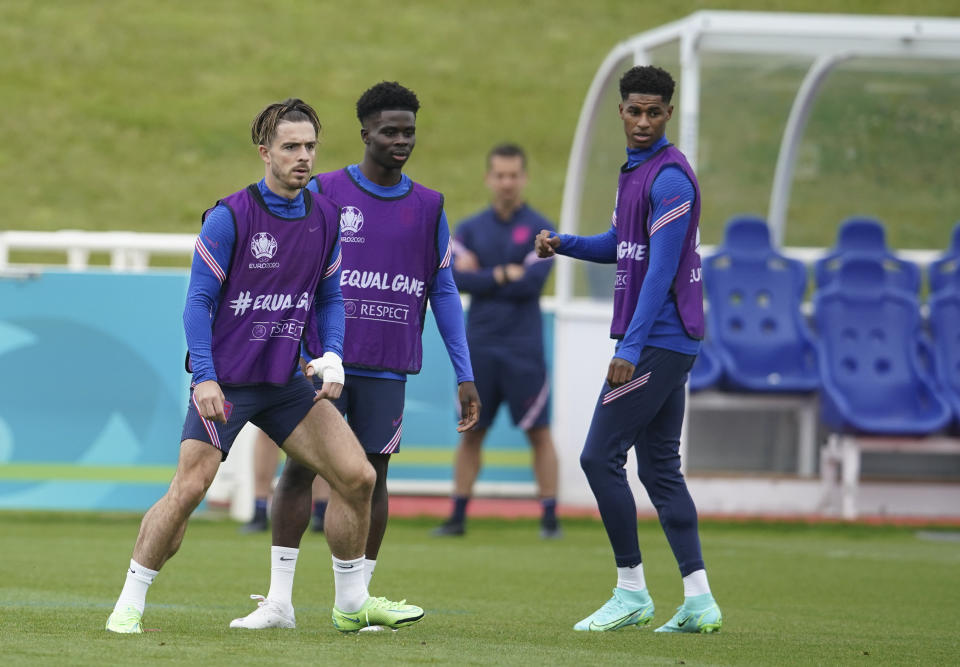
(647, 80)
(386, 96)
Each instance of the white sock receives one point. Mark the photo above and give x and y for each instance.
(631, 578)
(283, 565)
(134, 591)
(349, 583)
(368, 567)
(695, 583)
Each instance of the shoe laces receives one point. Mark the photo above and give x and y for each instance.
(615, 604)
(381, 603)
(261, 601)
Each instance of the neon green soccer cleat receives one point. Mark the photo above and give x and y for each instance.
(696, 614)
(623, 609)
(377, 611)
(125, 621)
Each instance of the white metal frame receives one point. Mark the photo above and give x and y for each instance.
(840, 464)
(129, 251)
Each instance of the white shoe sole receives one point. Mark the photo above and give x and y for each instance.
(273, 622)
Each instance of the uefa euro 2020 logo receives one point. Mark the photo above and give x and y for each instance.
(351, 220)
(263, 246)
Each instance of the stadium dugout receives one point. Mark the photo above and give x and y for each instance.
(820, 42)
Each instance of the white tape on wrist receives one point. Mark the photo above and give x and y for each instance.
(329, 368)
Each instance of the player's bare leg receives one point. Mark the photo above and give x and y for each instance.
(164, 524)
(379, 512)
(466, 468)
(321, 498)
(468, 462)
(265, 457)
(545, 472)
(162, 530)
(325, 444)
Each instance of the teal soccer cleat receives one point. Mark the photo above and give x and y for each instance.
(697, 614)
(623, 609)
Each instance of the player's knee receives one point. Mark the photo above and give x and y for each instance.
(297, 476)
(592, 464)
(646, 477)
(188, 490)
(359, 487)
(368, 479)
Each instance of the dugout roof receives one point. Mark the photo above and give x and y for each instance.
(827, 39)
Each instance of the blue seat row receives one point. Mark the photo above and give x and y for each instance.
(866, 361)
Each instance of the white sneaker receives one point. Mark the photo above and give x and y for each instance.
(268, 614)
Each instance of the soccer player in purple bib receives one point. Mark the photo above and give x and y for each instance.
(658, 319)
(396, 255)
(265, 281)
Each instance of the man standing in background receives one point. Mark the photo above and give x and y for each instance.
(496, 265)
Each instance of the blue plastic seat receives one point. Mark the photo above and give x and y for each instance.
(872, 377)
(859, 237)
(945, 331)
(754, 316)
(706, 371)
(948, 265)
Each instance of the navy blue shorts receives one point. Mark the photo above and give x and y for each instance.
(274, 409)
(520, 380)
(374, 409)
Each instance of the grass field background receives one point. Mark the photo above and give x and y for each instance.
(790, 594)
(134, 115)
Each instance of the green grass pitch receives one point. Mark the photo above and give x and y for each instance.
(790, 593)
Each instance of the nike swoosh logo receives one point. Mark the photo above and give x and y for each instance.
(671, 200)
(282, 558)
(680, 624)
(348, 618)
(313, 229)
(132, 570)
(613, 625)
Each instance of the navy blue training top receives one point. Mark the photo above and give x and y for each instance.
(503, 316)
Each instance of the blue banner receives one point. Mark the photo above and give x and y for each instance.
(94, 392)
